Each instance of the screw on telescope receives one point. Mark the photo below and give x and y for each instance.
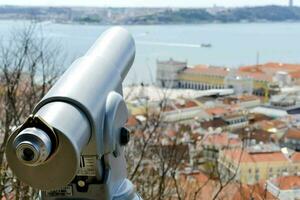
(124, 136)
(81, 183)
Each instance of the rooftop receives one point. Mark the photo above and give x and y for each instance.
(240, 98)
(258, 135)
(221, 140)
(245, 157)
(208, 70)
(247, 97)
(263, 72)
(271, 68)
(215, 123)
(295, 157)
(132, 121)
(257, 117)
(171, 61)
(287, 182)
(295, 75)
(216, 111)
(268, 70)
(186, 104)
(256, 75)
(271, 125)
(293, 133)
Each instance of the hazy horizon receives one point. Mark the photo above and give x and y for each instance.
(147, 3)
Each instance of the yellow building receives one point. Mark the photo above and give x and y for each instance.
(253, 167)
(203, 77)
(261, 79)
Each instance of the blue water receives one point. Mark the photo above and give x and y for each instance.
(232, 44)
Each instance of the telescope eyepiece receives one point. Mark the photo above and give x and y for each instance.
(28, 154)
(32, 146)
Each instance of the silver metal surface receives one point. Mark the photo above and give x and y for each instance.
(125, 191)
(32, 146)
(73, 133)
(88, 81)
(83, 115)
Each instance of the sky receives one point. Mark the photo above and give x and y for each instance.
(147, 3)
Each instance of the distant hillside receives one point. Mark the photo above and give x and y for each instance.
(173, 17)
(267, 13)
(147, 16)
(248, 14)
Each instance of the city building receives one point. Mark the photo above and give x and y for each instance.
(236, 121)
(270, 112)
(187, 111)
(259, 163)
(276, 127)
(167, 72)
(292, 139)
(240, 84)
(252, 136)
(213, 143)
(257, 117)
(268, 75)
(285, 187)
(280, 106)
(261, 80)
(244, 101)
(202, 77)
(225, 119)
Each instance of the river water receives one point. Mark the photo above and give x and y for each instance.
(233, 45)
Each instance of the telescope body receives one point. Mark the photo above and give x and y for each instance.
(73, 139)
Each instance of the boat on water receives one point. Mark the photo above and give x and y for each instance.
(206, 45)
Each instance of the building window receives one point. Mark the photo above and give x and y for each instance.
(271, 169)
(270, 175)
(250, 170)
(284, 170)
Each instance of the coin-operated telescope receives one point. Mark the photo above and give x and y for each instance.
(72, 146)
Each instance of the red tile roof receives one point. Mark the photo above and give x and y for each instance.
(244, 157)
(247, 97)
(187, 104)
(268, 124)
(222, 140)
(260, 76)
(257, 117)
(270, 69)
(263, 72)
(293, 133)
(236, 191)
(287, 182)
(216, 111)
(171, 133)
(132, 121)
(295, 75)
(295, 157)
(204, 188)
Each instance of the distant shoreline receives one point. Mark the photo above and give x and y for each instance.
(166, 24)
(153, 16)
